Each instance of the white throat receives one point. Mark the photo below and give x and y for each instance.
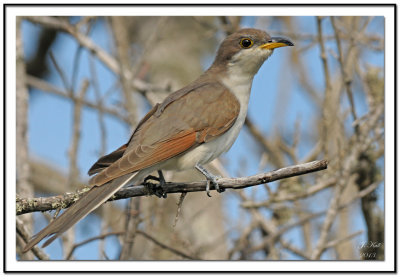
(240, 73)
(240, 85)
(241, 70)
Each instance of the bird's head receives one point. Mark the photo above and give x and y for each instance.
(246, 50)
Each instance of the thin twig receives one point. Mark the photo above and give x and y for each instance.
(73, 175)
(60, 72)
(275, 157)
(47, 87)
(76, 131)
(96, 88)
(294, 249)
(120, 33)
(77, 57)
(23, 233)
(330, 217)
(323, 55)
(243, 241)
(340, 240)
(164, 246)
(100, 237)
(346, 78)
(178, 210)
(291, 197)
(131, 224)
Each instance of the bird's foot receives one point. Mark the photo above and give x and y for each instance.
(159, 188)
(211, 179)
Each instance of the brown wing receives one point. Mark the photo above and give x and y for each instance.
(106, 160)
(184, 122)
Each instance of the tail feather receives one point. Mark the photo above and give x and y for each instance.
(80, 209)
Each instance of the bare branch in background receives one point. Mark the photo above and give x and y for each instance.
(22, 155)
(164, 246)
(24, 234)
(344, 69)
(101, 237)
(74, 173)
(47, 87)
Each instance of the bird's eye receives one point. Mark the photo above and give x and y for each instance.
(246, 42)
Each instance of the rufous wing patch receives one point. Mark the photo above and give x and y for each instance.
(132, 161)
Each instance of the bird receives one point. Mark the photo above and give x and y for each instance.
(188, 129)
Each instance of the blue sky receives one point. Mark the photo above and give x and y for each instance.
(50, 117)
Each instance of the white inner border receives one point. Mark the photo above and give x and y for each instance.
(387, 12)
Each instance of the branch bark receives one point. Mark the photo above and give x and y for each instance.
(29, 205)
(23, 170)
(23, 233)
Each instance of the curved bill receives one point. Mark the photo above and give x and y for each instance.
(277, 42)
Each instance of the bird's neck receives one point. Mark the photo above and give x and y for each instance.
(236, 80)
(239, 85)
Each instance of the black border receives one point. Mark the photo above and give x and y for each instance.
(199, 5)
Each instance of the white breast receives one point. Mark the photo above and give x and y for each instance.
(205, 153)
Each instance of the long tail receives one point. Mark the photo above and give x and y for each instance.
(80, 209)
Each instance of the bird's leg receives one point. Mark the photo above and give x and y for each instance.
(161, 185)
(210, 179)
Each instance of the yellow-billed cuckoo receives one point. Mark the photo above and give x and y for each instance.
(190, 128)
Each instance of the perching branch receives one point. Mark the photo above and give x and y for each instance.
(28, 205)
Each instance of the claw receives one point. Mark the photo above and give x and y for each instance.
(210, 179)
(208, 188)
(157, 189)
(151, 177)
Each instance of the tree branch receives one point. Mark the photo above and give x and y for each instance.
(85, 41)
(291, 197)
(28, 205)
(23, 233)
(100, 237)
(166, 247)
(47, 87)
(23, 169)
(340, 240)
